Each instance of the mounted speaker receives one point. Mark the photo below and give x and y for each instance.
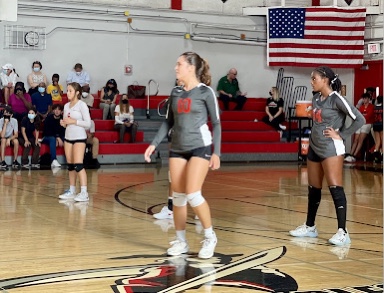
(8, 10)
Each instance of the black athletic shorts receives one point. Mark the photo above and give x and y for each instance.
(76, 141)
(203, 152)
(312, 156)
(377, 127)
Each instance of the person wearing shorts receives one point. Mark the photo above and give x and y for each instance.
(193, 148)
(326, 151)
(76, 119)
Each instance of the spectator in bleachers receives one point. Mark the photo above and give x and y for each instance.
(367, 109)
(53, 133)
(87, 97)
(124, 119)
(378, 129)
(108, 97)
(371, 92)
(9, 132)
(94, 142)
(274, 110)
(36, 77)
(8, 78)
(229, 90)
(55, 89)
(20, 102)
(29, 138)
(42, 101)
(79, 75)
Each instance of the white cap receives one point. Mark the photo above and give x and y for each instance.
(8, 66)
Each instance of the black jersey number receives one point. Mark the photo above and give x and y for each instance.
(184, 105)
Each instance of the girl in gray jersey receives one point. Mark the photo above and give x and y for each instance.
(326, 151)
(191, 148)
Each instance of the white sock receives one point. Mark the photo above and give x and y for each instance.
(180, 234)
(208, 232)
(72, 189)
(83, 188)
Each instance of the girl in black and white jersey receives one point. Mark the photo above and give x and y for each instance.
(191, 153)
(76, 119)
(326, 151)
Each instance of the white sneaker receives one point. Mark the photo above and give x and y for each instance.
(304, 231)
(340, 238)
(350, 159)
(67, 195)
(165, 213)
(209, 245)
(282, 127)
(82, 196)
(55, 164)
(178, 247)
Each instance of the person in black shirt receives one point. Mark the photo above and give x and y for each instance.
(29, 138)
(274, 110)
(53, 133)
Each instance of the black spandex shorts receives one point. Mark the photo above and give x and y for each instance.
(76, 141)
(312, 156)
(203, 152)
(377, 127)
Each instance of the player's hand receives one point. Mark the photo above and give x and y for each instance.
(148, 152)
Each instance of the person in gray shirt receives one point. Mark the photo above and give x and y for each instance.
(191, 149)
(326, 151)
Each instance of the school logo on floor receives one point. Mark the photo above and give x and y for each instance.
(186, 272)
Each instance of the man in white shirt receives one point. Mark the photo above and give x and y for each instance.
(86, 97)
(79, 75)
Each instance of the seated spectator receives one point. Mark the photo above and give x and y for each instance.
(378, 129)
(55, 90)
(274, 110)
(36, 77)
(53, 133)
(79, 75)
(42, 101)
(86, 97)
(124, 119)
(94, 142)
(367, 109)
(370, 91)
(8, 79)
(108, 98)
(9, 131)
(229, 90)
(20, 102)
(29, 138)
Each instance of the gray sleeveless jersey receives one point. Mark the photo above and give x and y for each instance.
(187, 115)
(332, 112)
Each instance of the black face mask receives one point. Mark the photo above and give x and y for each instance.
(7, 116)
(125, 101)
(18, 90)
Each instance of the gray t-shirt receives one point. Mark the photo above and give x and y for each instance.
(332, 112)
(187, 115)
(12, 127)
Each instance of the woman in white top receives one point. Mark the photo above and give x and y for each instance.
(124, 119)
(76, 119)
(8, 78)
(36, 77)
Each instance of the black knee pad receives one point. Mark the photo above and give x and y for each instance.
(338, 196)
(314, 194)
(79, 167)
(71, 167)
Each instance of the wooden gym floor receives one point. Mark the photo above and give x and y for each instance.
(113, 244)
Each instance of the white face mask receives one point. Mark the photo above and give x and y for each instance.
(84, 94)
(78, 73)
(36, 69)
(31, 116)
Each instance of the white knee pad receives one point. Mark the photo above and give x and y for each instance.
(179, 199)
(195, 199)
(169, 176)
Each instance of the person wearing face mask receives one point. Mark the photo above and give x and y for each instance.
(42, 101)
(20, 102)
(274, 110)
(36, 77)
(9, 132)
(53, 133)
(8, 78)
(55, 89)
(78, 75)
(30, 139)
(86, 97)
(108, 97)
(124, 119)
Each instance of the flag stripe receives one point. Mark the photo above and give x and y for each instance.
(316, 35)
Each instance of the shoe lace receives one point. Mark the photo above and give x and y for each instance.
(176, 242)
(207, 242)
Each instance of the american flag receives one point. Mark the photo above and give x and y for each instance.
(309, 37)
